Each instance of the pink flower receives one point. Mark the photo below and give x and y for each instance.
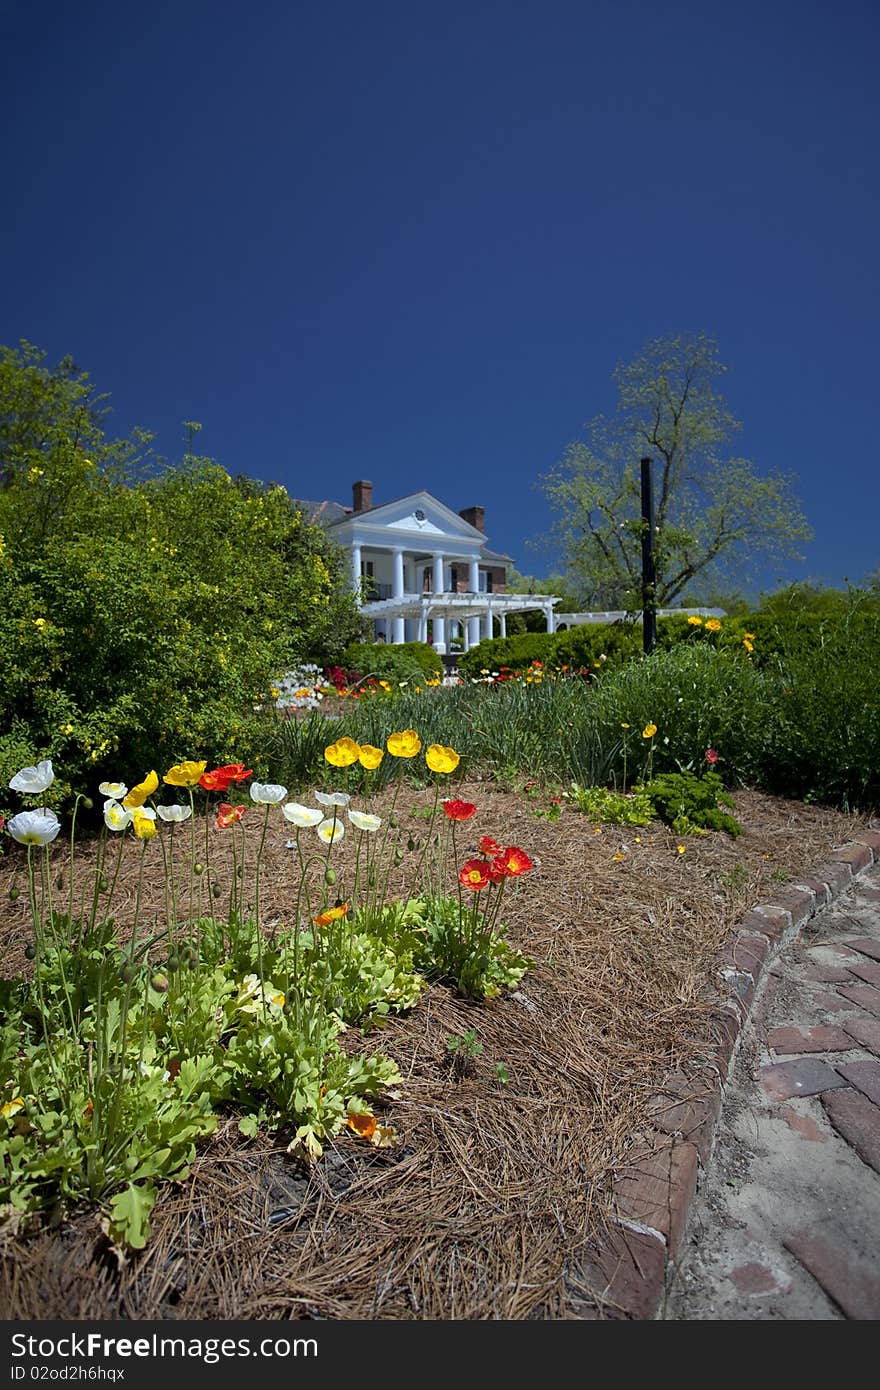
(711, 756)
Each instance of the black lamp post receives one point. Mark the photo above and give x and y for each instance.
(649, 578)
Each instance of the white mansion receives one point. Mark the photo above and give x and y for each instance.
(423, 571)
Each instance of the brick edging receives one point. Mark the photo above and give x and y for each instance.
(652, 1196)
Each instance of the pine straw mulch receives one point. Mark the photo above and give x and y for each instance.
(493, 1192)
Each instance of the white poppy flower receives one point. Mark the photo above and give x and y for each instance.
(362, 820)
(116, 817)
(301, 815)
(34, 780)
(116, 790)
(268, 793)
(333, 798)
(173, 813)
(34, 827)
(330, 830)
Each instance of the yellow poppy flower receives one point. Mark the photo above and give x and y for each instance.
(11, 1107)
(749, 646)
(713, 625)
(370, 757)
(144, 826)
(440, 759)
(138, 795)
(649, 731)
(695, 621)
(184, 774)
(406, 744)
(343, 752)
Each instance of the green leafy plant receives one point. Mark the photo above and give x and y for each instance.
(614, 808)
(692, 804)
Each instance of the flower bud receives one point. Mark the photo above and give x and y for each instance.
(216, 890)
(330, 876)
(198, 868)
(398, 855)
(30, 952)
(159, 983)
(87, 803)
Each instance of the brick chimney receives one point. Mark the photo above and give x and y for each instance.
(474, 516)
(362, 496)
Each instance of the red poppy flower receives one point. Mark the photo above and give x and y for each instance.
(489, 847)
(512, 862)
(228, 815)
(459, 810)
(711, 755)
(474, 874)
(222, 778)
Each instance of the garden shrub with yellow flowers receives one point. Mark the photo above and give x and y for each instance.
(146, 608)
(119, 1052)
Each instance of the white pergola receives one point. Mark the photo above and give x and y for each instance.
(474, 612)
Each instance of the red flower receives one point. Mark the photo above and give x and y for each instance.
(474, 874)
(512, 862)
(711, 755)
(221, 778)
(459, 810)
(489, 847)
(228, 815)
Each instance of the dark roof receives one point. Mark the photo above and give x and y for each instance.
(488, 554)
(323, 513)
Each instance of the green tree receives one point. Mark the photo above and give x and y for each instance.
(146, 607)
(714, 513)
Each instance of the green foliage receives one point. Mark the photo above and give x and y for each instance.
(691, 803)
(458, 945)
(143, 614)
(515, 652)
(713, 511)
(607, 644)
(613, 808)
(406, 661)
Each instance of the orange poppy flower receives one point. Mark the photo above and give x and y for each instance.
(221, 778)
(228, 815)
(332, 914)
(474, 874)
(363, 1125)
(489, 847)
(459, 810)
(513, 862)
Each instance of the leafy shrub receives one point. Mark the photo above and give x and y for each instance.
(516, 652)
(584, 646)
(406, 661)
(688, 802)
(143, 616)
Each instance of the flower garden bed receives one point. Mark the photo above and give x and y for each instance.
(511, 1116)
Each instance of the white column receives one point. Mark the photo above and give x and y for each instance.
(397, 573)
(474, 576)
(551, 625)
(439, 581)
(439, 634)
(486, 623)
(473, 627)
(502, 624)
(356, 568)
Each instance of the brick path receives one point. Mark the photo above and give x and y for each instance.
(757, 1194)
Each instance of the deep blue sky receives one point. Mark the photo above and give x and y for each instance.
(410, 242)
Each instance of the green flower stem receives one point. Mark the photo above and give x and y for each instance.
(411, 893)
(259, 929)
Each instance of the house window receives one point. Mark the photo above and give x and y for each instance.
(453, 579)
(485, 582)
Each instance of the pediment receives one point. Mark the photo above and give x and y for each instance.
(419, 514)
